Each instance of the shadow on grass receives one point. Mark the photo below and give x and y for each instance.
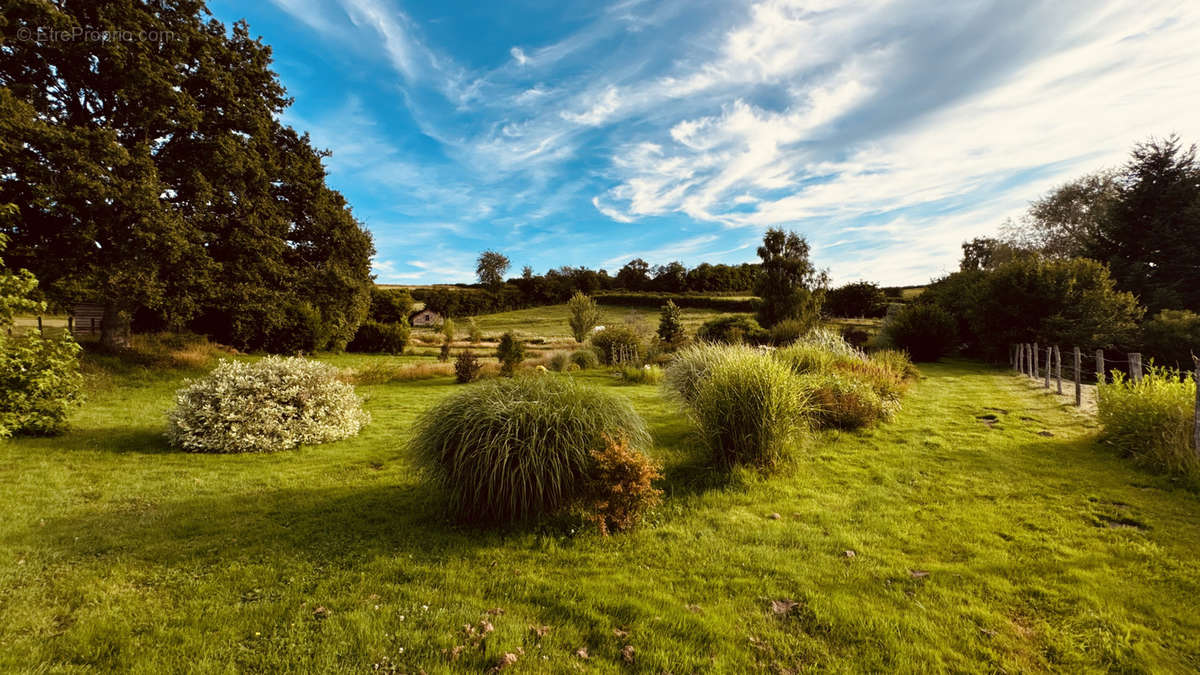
(328, 525)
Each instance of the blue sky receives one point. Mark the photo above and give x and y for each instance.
(583, 133)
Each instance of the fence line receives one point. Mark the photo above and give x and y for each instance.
(1024, 360)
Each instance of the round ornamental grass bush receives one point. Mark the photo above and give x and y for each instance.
(509, 449)
(276, 403)
(841, 401)
(692, 364)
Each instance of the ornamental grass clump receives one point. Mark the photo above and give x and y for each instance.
(692, 364)
(1152, 420)
(843, 401)
(276, 403)
(506, 450)
(750, 409)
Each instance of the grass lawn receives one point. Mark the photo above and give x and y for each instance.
(976, 547)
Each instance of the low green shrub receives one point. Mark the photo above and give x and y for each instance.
(585, 358)
(750, 409)
(275, 403)
(1151, 420)
(733, 330)
(617, 344)
(39, 383)
(374, 337)
(647, 374)
(925, 331)
(466, 367)
(509, 449)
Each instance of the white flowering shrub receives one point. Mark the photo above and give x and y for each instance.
(276, 403)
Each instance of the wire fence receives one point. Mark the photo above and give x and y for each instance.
(1045, 364)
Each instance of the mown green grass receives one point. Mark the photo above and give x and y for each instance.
(977, 547)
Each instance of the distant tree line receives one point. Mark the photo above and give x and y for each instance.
(559, 285)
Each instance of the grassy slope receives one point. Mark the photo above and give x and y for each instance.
(1042, 552)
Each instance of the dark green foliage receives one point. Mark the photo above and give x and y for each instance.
(860, 299)
(390, 305)
(466, 367)
(380, 338)
(1142, 220)
(1066, 302)
(924, 330)
(670, 326)
(160, 169)
(1172, 337)
(790, 287)
(508, 449)
(511, 353)
(733, 330)
(617, 344)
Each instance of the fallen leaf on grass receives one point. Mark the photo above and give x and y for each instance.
(849, 553)
(774, 516)
(540, 631)
(581, 652)
(505, 661)
(918, 574)
(496, 611)
(627, 653)
(321, 613)
(783, 606)
(620, 633)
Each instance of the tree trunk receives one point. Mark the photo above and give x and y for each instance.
(114, 327)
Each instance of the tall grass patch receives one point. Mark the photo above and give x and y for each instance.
(1152, 420)
(750, 410)
(509, 449)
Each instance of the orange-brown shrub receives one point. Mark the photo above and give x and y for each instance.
(620, 487)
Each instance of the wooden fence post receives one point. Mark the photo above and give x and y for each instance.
(71, 324)
(1058, 367)
(1101, 376)
(39, 324)
(1036, 370)
(1196, 433)
(1049, 352)
(1135, 367)
(1079, 377)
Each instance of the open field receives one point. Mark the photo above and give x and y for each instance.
(550, 321)
(977, 547)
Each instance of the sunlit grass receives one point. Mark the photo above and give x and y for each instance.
(979, 544)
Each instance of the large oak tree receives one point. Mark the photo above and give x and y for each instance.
(152, 175)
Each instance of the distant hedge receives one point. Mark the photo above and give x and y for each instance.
(746, 305)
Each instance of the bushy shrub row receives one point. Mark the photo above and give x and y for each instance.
(718, 303)
(617, 345)
(925, 331)
(1152, 420)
